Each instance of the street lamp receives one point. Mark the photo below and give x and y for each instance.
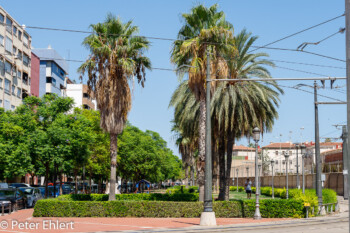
(298, 182)
(272, 163)
(286, 155)
(303, 152)
(237, 178)
(256, 137)
(259, 178)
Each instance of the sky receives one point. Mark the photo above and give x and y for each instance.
(269, 20)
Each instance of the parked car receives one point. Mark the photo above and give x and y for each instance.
(18, 185)
(32, 194)
(12, 196)
(4, 186)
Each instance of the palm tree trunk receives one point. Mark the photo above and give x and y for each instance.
(201, 146)
(222, 166)
(113, 149)
(230, 142)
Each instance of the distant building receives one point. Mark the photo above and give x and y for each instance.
(53, 72)
(15, 52)
(243, 159)
(81, 96)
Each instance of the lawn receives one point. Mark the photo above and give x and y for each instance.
(243, 195)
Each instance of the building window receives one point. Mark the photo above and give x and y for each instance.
(19, 35)
(14, 50)
(26, 40)
(29, 81)
(51, 80)
(290, 162)
(2, 18)
(290, 153)
(13, 90)
(283, 162)
(25, 59)
(15, 31)
(13, 107)
(0, 103)
(0, 83)
(8, 45)
(19, 55)
(2, 68)
(1, 40)
(276, 152)
(7, 86)
(7, 105)
(86, 95)
(8, 67)
(19, 92)
(276, 161)
(8, 25)
(19, 74)
(25, 78)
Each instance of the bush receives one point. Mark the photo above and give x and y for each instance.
(234, 188)
(163, 209)
(182, 189)
(132, 197)
(329, 196)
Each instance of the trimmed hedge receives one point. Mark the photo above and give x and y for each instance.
(277, 208)
(132, 197)
(182, 189)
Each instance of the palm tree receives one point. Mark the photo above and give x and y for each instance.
(205, 29)
(240, 106)
(116, 57)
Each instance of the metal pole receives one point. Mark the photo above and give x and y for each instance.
(345, 162)
(317, 151)
(208, 202)
(259, 179)
(287, 193)
(257, 214)
(237, 178)
(303, 171)
(247, 172)
(347, 42)
(273, 193)
(298, 183)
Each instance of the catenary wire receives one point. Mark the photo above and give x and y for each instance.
(296, 33)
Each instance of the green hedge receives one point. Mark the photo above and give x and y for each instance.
(240, 188)
(182, 189)
(277, 208)
(132, 197)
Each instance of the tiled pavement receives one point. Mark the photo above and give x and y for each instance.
(11, 223)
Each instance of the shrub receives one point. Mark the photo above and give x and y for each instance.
(329, 196)
(132, 197)
(163, 209)
(182, 189)
(240, 188)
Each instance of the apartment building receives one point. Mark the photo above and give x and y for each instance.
(53, 72)
(15, 62)
(276, 151)
(81, 96)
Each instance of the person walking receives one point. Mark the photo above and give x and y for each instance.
(248, 188)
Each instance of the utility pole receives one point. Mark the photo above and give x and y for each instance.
(347, 42)
(317, 151)
(344, 136)
(208, 215)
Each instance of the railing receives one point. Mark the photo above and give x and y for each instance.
(323, 209)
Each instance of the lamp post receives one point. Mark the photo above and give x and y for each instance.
(303, 153)
(286, 155)
(259, 177)
(297, 145)
(273, 194)
(237, 178)
(256, 137)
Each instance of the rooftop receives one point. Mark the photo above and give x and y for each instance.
(49, 54)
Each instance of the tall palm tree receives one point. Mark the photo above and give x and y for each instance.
(205, 29)
(116, 57)
(240, 106)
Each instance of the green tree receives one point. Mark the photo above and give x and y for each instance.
(116, 57)
(204, 30)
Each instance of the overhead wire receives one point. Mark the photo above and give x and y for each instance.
(296, 33)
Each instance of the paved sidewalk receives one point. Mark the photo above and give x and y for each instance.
(11, 223)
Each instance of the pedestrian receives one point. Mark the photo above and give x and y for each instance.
(248, 188)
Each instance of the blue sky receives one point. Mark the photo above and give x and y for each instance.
(270, 20)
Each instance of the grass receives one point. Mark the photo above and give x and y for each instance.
(243, 195)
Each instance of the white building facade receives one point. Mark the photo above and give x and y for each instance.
(15, 71)
(81, 96)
